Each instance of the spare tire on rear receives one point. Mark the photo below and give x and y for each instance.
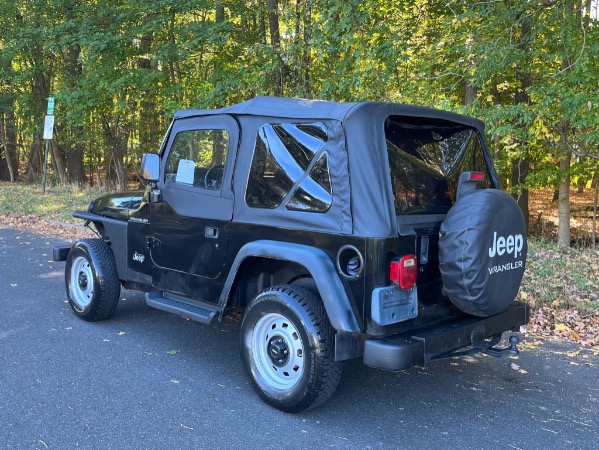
(482, 252)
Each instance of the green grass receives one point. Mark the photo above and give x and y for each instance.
(58, 203)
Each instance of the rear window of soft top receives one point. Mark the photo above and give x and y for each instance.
(426, 160)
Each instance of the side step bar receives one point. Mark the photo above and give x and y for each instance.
(192, 309)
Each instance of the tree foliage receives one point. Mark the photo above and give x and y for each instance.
(119, 69)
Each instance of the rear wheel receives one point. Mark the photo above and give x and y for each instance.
(92, 281)
(287, 345)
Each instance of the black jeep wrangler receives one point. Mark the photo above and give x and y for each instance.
(342, 230)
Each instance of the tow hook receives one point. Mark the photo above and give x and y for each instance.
(499, 352)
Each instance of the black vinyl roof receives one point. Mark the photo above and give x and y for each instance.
(295, 108)
(358, 158)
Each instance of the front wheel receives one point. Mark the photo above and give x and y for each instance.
(92, 281)
(287, 345)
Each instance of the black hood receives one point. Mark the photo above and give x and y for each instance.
(117, 205)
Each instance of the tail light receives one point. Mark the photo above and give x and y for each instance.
(467, 183)
(403, 271)
(476, 176)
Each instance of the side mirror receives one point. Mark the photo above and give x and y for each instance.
(150, 167)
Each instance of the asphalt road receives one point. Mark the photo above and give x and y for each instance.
(150, 380)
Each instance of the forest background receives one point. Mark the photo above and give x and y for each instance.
(118, 70)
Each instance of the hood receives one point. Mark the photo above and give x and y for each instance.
(117, 205)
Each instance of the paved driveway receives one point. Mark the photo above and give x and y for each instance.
(148, 379)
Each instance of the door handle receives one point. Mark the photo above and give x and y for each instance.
(211, 232)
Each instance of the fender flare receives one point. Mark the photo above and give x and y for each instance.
(320, 266)
(116, 232)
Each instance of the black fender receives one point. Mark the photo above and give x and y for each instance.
(116, 233)
(320, 266)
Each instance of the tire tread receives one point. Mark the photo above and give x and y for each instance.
(109, 287)
(330, 374)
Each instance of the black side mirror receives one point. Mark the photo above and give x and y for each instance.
(150, 167)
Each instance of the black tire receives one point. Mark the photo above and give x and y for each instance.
(290, 321)
(92, 280)
(482, 252)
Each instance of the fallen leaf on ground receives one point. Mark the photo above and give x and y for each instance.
(517, 368)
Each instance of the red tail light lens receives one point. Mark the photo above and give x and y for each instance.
(404, 271)
(476, 176)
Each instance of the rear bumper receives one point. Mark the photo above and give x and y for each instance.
(419, 347)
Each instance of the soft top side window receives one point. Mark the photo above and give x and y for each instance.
(290, 168)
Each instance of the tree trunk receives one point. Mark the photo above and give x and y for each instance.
(58, 162)
(34, 160)
(263, 28)
(563, 206)
(9, 166)
(220, 14)
(75, 166)
(520, 170)
(116, 139)
(218, 148)
(565, 156)
(595, 197)
(521, 165)
(275, 41)
(307, 48)
(273, 23)
(504, 174)
(171, 39)
(470, 93)
(148, 127)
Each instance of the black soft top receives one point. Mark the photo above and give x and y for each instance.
(296, 108)
(364, 200)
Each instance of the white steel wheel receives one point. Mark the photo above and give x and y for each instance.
(288, 348)
(278, 351)
(81, 287)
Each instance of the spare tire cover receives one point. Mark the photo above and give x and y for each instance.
(482, 252)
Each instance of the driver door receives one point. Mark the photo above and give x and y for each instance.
(190, 223)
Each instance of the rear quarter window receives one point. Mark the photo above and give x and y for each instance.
(290, 168)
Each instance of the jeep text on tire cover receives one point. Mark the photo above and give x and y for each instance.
(342, 230)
